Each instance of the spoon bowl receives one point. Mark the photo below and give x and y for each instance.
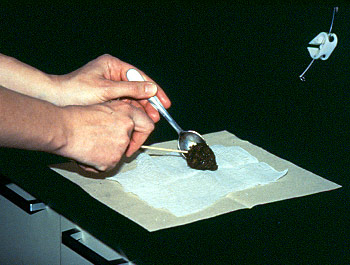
(189, 138)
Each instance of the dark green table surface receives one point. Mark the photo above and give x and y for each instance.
(225, 66)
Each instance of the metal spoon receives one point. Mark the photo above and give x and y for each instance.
(186, 138)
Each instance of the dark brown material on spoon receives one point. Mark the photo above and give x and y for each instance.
(201, 157)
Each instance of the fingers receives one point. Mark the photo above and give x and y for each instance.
(143, 126)
(137, 125)
(98, 136)
(88, 168)
(117, 85)
(160, 93)
(145, 106)
(135, 90)
(141, 91)
(124, 89)
(117, 72)
(152, 112)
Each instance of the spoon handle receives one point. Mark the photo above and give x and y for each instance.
(134, 75)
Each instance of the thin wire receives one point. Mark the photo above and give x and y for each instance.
(335, 10)
(302, 78)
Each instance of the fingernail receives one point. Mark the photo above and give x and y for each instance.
(150, 89)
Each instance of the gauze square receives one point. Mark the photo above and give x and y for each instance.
(166, 181)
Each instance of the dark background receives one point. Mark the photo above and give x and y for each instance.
(225, 66)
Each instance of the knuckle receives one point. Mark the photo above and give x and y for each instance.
(125, 107)
(105, 56)
(127, 124)
(114, 161)
(108, 58)
(123, 142)
(150, 127)
(102, 168)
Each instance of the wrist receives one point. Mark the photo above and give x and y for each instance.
(61, 136)
(25, 79)
(64, 139)
(54, 90)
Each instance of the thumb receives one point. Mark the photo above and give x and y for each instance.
(135, 90)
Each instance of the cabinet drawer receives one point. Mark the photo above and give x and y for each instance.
(79, 247)
(27, 238)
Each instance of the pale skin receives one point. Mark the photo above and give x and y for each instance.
(92, 115)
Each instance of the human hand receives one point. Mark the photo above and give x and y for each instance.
(98, 135)
(105, 79)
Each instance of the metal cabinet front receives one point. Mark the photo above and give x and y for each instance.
(79, 247)
(28, 238)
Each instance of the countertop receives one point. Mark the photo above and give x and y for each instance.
(302, 230)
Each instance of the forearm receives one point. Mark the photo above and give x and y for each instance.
(30, 123)
(27, 80)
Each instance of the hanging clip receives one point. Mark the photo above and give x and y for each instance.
(322, 46)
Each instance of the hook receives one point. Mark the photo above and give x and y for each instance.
(322, 45)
